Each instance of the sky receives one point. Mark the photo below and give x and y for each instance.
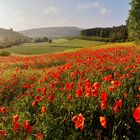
(26, 14)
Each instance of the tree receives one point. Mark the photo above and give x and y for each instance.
(11, 29)
(50, 40)
(134, 21)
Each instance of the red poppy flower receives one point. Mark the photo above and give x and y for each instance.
(2, 133)
(3, 109)
(30, 129)
(51, 98)
(111, 88)
(94, 92)
(79, 92)
(87, 92)
(37, 98)
(26, 125)
(39, 136)
(96, 86)
(118, 105)
(104, 96)
(116, 83)
(107, 78)
(103, 121)
(15, 118)
(103, 105)
(16, 126)
(34, 103)
(43, 109)
(79, 121)
(70, 97)
(136, 114)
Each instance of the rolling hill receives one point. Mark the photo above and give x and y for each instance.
(9, 38)
(52, 32)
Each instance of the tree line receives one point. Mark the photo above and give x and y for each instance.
(41, 39)
(109, 34)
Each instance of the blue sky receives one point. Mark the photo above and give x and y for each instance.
(25, 14)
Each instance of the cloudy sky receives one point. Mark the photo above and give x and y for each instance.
(25, 14)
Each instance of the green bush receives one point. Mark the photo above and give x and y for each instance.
(5, 53)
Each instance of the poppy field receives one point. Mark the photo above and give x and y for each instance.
(82, 95)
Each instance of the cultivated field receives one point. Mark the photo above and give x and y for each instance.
(87, 94)
(58, 45)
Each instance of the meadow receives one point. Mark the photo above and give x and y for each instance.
(58, 45)
(89, 93)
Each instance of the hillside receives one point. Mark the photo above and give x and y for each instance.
(10, 37)
(52, 32)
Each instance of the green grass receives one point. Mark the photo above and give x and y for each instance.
(58, 45)
(122, 44)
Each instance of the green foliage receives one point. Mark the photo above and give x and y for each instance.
(134, 21)
(41, 39)
(114, 34)
(4, 53)
(50, 40)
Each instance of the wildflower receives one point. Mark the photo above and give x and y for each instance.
(107, 78)
(2, 133)
(136, 114)
(26, 125)
(16, 126)
(103, 105)
(70, 97)
(79, 121)
(103, 121)
(43, 109)
(15, 118)
(30, 129)
(96, 86)
(111, 88)
(34, 103)
(87, 92)
(94, 92)
(51, 98)
(3, 109)
(39, 136)
(118, 105)
(79, 92)
(69, 86)
(116, 83)
(37, 98)
(104, 97)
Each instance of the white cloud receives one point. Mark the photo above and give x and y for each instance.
(18, 13)
(50, 10)
(105, 11)
(88, 5)
(65, 20)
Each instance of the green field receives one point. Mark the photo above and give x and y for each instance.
(58, 45)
